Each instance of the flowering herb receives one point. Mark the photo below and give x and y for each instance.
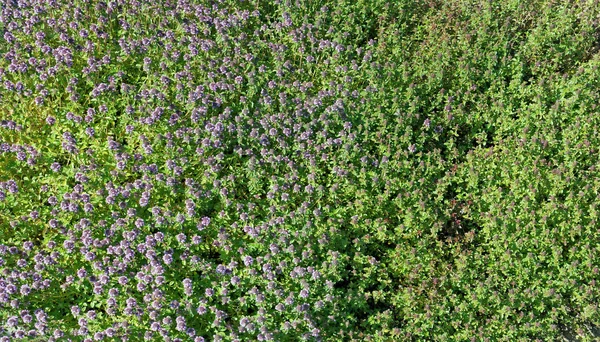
(282, 171)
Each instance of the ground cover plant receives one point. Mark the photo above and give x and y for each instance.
(286, 170)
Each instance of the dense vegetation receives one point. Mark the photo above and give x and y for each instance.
(343, 170)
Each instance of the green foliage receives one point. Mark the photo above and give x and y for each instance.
(435, 162)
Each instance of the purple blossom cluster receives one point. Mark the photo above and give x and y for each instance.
(194, 211)
(22, 153)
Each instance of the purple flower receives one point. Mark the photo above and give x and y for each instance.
(180, 323)
(122, 280)
(25, 290)
(203, 223)
(58, 333)
(201, 310)
(141, 287)
(304, 293)
(81, 273)
(187, 285)
(113, 145)
(52, 200)
(222, 270)
(89, 256)
(248, 260)
(12, 321)
(68, 245)
(55, 167)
